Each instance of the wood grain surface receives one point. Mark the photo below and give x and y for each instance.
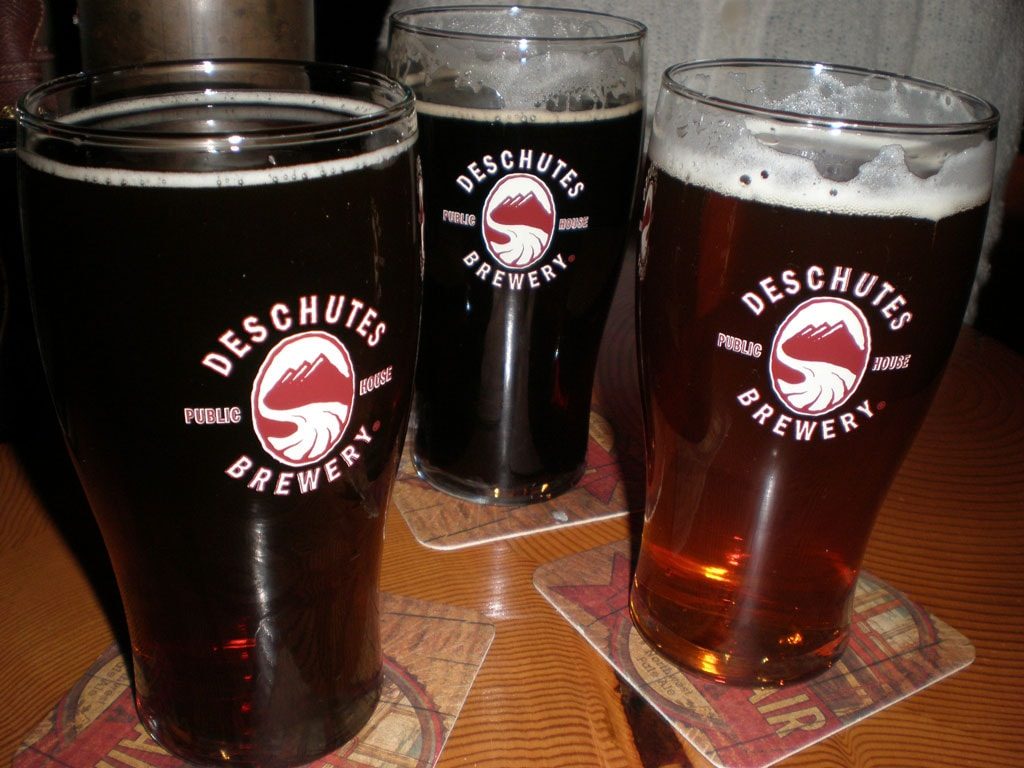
(950, 535)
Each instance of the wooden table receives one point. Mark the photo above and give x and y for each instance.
(951, 535)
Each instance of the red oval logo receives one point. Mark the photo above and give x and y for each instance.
(302, 398)
(819, 355)
(519, 220)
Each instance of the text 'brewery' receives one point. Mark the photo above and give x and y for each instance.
(283, 483)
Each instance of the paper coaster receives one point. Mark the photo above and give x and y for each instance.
(439, 521)
(896, 649)
(432, 653)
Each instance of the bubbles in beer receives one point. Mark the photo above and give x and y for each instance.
(843, 170)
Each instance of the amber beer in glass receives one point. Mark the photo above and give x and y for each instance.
(530, 123)
(225, 269)
(809, 240)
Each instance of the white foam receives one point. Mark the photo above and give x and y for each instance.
(221, 178)
(746, 168)
(341, 105)
(877, 98)
(521, 72)
(538, 116)
(831, 166)
(189, 180)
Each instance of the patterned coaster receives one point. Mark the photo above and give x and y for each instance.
(432, 653)
(439, 521)
(896, 650)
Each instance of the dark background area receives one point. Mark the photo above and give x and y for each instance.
(346, 32)
(1001, 304)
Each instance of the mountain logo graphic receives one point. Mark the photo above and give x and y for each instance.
(819, 355)
(518, 220)
(302, 398)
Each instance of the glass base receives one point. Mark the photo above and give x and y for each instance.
(732, 668)
(478, 492)
(263, 750)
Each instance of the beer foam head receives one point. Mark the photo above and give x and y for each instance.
(245, 109)
(209, 179)
(860, 149)
(535, 116)
(880, 99)
(518, 58)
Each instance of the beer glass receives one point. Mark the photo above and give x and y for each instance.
(531, 125)
(809, 240)
(225, 271)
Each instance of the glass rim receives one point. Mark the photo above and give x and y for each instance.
(989, 120)
(347, 124)
(406, 21)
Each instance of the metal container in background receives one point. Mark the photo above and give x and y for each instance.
(117, 32)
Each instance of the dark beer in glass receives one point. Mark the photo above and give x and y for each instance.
(225, 269)
(529, 173)
(809, 241)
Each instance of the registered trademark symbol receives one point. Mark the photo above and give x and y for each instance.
(376, 426)
(572, 258)
(880, 406)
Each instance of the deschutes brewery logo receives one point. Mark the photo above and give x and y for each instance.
(819, 355)
(519, 220)
(302, 398)
(304, 391)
